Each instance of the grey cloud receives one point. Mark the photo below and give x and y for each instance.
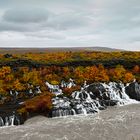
(6, 26)
(68, 21)
(10, 26)
(24, 19)
(26, 15)
(47, 35)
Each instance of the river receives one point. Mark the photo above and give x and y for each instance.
(114, 123)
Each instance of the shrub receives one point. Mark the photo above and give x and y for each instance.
(38, 104)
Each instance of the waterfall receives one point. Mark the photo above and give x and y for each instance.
(6, 121)
(1, 122)
(91, 98)
(9, 120)
(73, 111)
(12, 118)
(116, 91)
(80, 103)
(55, 89)
(84, 110)
(68, 84)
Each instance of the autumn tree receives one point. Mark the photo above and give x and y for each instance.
(79, 75)
(102, 75)
(128, 77)
(4, 71)
(117, 74)
(136, 70)
(17, 85)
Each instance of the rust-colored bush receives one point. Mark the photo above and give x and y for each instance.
(38, 104)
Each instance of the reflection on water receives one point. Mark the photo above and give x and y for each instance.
(115, 123)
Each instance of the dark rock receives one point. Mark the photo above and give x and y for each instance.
(8, 111)
(8, 56)
(133, 91)
(97, 89)
(108, 102)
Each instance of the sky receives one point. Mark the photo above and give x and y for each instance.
(70, 23)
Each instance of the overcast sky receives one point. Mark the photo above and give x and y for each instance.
(54, 23)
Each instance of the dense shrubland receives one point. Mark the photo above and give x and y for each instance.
(59, 57)
(20, 79)
(71, 58)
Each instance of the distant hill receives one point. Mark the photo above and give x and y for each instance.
(41, 50)
(103, 49)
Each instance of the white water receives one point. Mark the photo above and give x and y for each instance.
(1, 122)
(68, 84)
(9, 121)
(118, 94)
(84, 110)
(54, 89)
(12, 120)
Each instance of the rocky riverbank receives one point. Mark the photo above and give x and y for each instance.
(88, 99)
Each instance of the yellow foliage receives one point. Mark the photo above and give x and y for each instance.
(17, 85)
(54, 82)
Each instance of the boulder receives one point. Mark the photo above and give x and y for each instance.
(108, 102)
(97, 89)
(133, 91)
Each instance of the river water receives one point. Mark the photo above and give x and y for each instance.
(114, 123)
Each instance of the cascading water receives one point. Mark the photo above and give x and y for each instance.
(80, 103)
(116, 91)
(54, 89)
(1, 122)
(9, 120)
(68, 84)
(90, 99)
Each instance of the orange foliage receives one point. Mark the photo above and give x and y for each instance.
(136, 70)
(39, 104)
(117, 73)
(4, 71)
(17, 85)
(128, 77)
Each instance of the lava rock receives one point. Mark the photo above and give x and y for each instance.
(97, 89)
(133, 91)
(108, 102)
